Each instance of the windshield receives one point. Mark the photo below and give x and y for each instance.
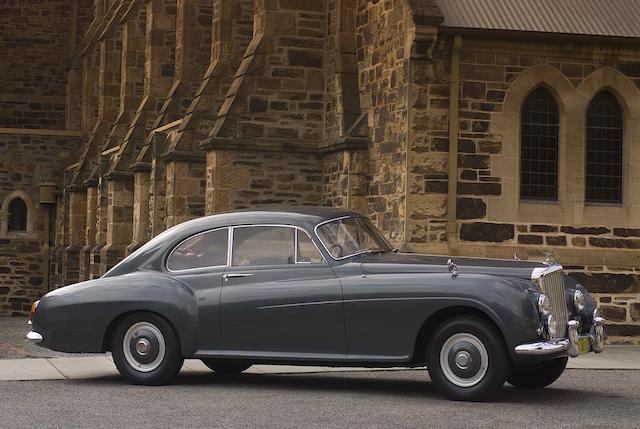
(350, 236)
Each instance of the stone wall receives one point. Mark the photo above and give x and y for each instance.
(383, 66)
(266, 183)
(597, 244)
(35, 38)
(26, 162)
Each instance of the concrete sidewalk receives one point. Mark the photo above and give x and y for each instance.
(74, 368)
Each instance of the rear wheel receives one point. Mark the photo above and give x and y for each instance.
(538, 376)
(146, 350)
(466, 359)
(221, 366)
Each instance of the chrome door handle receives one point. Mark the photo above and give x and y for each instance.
(228, 276)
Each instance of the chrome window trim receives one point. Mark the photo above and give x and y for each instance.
(208, 267)
(324, 261)
(315, 231)
(295, 244)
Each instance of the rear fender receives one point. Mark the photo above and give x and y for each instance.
(78, 318)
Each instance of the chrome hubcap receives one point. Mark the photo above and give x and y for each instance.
(464, 360)
(144, 346)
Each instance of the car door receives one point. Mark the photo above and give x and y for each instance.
(280, 299)
(199, 262)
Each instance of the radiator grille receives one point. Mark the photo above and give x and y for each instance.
(552, 284)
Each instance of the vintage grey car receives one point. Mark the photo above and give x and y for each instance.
(322, 286)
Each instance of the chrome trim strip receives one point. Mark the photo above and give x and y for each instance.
(34, 337)
(227, 276)
(299, 304)
(229, 246)
(347, 301)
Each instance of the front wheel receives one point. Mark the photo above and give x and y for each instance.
(466, 359)
(539, 376)
(221, 366)
(146, 350)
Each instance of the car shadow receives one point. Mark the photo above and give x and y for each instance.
(322, 382)
(356, 382)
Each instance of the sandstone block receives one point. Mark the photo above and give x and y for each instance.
(470, 208)
(585, 230)
(484, 231)
(609, 282)
(613, 313)
(530, 239)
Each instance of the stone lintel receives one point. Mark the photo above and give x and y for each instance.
(140, 166)
(426, 12)
(119, 175)
(261, 145)
(346, 144)
(428, 21)
(40, 132)
(76, 188)
(176, 155)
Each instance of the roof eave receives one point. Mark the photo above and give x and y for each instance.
(539, 35)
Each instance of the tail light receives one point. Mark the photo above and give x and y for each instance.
(33, 311)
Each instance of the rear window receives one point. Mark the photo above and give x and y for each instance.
(208, 249)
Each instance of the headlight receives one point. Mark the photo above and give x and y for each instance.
(579, 300)
(544, 305)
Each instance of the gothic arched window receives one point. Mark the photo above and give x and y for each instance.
(539, 146)
(605, 124)
(17, 212)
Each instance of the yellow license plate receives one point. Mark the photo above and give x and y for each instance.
(583, 345)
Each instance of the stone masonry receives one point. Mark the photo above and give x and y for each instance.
(147, 113)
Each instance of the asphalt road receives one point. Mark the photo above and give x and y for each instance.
(385, 399)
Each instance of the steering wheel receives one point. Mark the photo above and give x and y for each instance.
(339, 249)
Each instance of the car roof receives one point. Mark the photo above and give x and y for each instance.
(303, 216)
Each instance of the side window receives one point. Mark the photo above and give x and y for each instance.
(605, 130)
(307, 251)
(539, 147)
(203, 250)
(17, 215)
(263, 245)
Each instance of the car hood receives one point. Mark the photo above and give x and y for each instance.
(418, 263)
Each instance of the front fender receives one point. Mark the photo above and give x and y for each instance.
(76, 318)
(508, 302)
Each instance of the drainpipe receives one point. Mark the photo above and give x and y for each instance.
(454, 98)
(47, 200)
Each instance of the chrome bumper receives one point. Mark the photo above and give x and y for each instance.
(571, 345)
(34, 337)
